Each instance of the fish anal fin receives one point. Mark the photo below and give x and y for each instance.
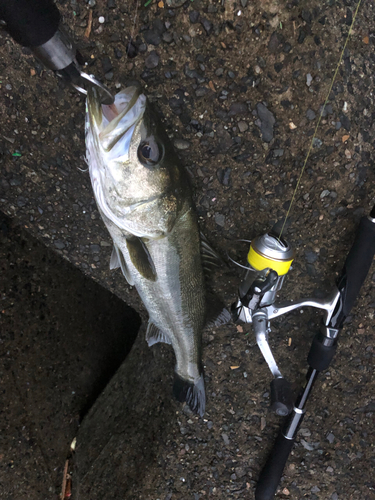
(141, 258)
(193, 393)
(154, 335)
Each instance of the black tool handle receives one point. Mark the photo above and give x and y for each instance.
(355, 269)
(272, 471)
(30, 23)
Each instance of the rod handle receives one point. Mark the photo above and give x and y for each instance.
(357, 265)
(271, 474)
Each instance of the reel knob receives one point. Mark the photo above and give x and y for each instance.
(281, 397)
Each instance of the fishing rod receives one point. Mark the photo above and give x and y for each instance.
(269, 260)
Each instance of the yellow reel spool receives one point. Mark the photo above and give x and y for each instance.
(279, 259)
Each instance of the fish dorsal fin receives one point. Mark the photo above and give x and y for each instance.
(118, 260)
(217, 314)
(141, 258)
(210, 258)
(154, 335)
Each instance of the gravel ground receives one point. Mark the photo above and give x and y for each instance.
(240, 86)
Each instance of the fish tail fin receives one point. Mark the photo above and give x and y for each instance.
(193, 394)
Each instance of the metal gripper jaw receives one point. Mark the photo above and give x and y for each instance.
(269, 260)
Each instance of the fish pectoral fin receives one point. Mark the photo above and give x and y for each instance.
(154, 335)
(118, 260)
(193, 394)
(210, 258)
(115, 261)
(141, 258)
(217, 314)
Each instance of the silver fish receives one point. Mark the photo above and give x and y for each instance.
(142, 192)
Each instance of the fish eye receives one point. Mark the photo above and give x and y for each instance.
(150, 152)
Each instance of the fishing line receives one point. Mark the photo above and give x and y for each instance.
(320, 118)
(134, 23)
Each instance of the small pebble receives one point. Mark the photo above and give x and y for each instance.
(307, 445)
(207, 25)
(152, 37)
(132, 49)
(345, 122)
(220, 221)
(330, 437)
(242, 126)
(118, 53)
(94, 248)
(59, 244)
(310, 114)
(311, 256)
(309, 79)
(223, 176)
(238, 108)
(106, 64)
(167, 37)
(278, 153)
(201, 91)
(267, 121)
(181, 144)
(152, 60)
(101, 19)
(225, 439)
(194, 16)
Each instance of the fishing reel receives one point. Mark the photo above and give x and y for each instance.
(269, 260)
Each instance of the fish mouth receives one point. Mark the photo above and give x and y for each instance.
(115, 123)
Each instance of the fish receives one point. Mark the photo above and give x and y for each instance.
(144, 197)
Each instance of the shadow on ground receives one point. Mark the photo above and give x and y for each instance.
(62, 338)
